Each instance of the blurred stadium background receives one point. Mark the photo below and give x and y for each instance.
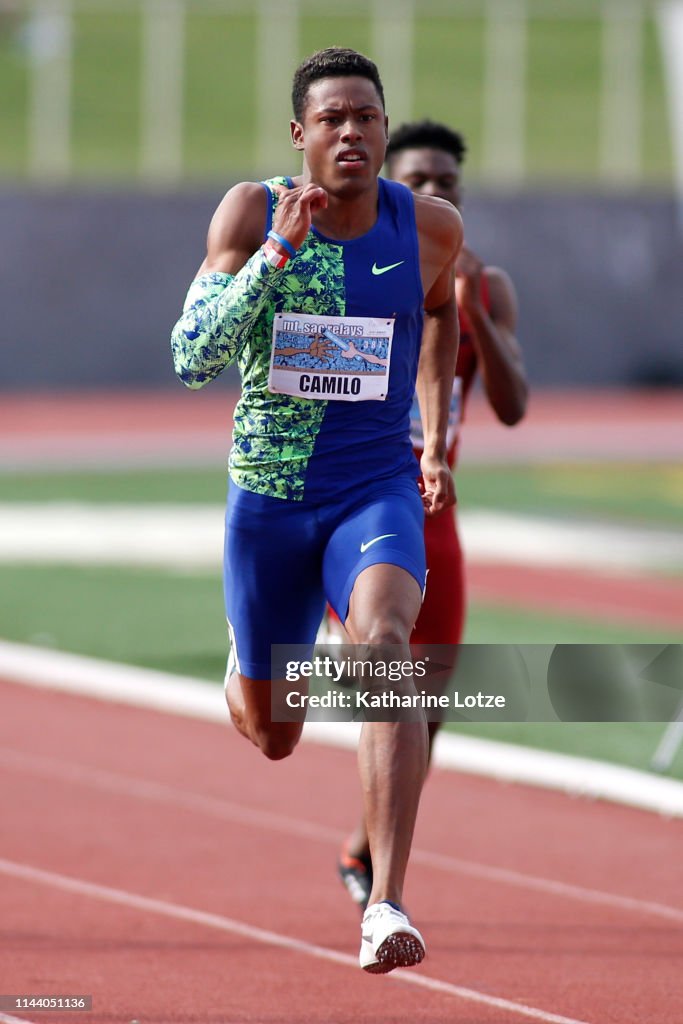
(546, 91)
(122, 122)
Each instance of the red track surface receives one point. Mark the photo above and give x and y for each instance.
(596, 424)
(187, 813)
(636, 598)
(151, 807)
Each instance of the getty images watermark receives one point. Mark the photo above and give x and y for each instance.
(479, 682)
(370, 676)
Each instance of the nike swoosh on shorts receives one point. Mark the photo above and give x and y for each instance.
(364, 547)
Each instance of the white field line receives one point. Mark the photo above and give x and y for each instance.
(197, 699)
(579, 776)
(179, 912)
(191, 537)
(225, 810)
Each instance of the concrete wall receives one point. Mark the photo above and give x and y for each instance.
(91, 283)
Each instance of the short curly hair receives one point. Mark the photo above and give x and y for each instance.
(426, 135)
(334, 62)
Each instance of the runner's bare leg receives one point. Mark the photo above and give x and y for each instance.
(392, 756)
(249, 703)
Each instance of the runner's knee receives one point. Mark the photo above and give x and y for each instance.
(384, 629)
(276, 744)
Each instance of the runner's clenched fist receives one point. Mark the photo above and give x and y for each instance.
(295, 210)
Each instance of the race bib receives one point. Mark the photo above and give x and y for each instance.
(331, 357)
(454, 418)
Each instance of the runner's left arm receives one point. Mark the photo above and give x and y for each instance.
(493, 335)
(438, 354)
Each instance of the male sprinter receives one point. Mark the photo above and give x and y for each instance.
(323, 499)
(428, 158)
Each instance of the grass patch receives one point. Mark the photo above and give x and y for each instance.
(174, 621)
(187, 486)
(220, 95)
(14, 92)
(645, 493)
(169, 621)
(448, 77)
(635, 493)
(562, 89)
(106, 87)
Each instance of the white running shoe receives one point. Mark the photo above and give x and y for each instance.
(388, 940)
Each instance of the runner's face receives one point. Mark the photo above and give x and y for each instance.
(343, 134)
(429, 172)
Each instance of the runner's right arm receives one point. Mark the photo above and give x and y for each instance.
(235, 279)
(229, 291)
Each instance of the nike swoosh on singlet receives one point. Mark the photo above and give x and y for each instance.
(382, 270)
(364, 547)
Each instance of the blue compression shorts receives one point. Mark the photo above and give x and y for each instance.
(285, 559)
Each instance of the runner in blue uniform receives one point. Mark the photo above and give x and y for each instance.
(333, 292)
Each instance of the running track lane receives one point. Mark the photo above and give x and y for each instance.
(180, 425)
(641, 599)
(143, 857)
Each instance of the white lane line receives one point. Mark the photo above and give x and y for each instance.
(84, 533)
(179, 912)
(144, 789)
(6, 1018)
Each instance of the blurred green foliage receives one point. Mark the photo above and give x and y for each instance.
(220, 77)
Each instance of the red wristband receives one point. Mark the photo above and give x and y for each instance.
(274, 257)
